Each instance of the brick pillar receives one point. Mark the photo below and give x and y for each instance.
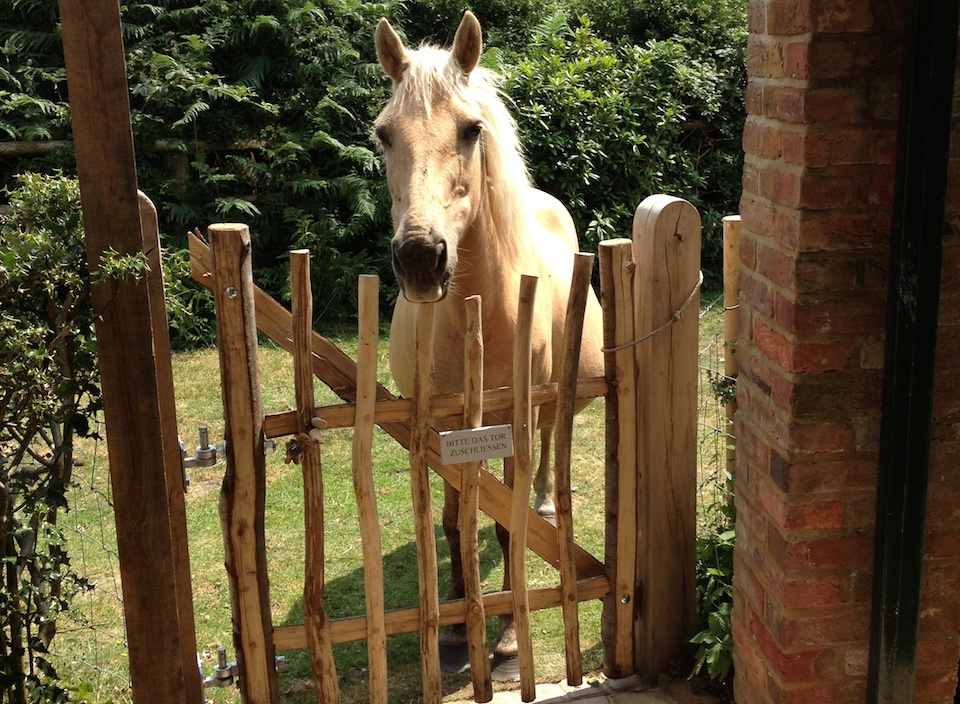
(820, 143)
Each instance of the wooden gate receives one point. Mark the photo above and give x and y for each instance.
(650, 475)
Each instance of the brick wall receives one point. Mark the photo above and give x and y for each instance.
(820, 143)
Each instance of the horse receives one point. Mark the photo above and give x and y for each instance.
(467, 221)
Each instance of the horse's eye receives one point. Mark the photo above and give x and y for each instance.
(384, 136)
(472, 133)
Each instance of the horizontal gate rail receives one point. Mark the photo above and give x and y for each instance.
(406, 620)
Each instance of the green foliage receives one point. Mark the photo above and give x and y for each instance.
(606, 125)
(48, 396)
(259, 111)
(714, 657)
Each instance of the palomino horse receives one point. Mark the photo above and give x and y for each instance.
(468, 222)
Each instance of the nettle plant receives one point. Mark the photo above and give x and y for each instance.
(49, 397)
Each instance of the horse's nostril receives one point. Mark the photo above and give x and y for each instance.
(441, 259)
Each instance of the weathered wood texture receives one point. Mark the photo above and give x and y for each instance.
(429, 589)
(731, 323)
(364, 489)
(666, 243)
(563, 430)
(622, 457)
(130, 337)
(523, 425)
(309, 441)
(470, 507)
(243, 494)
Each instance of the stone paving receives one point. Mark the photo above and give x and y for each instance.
(631, 690)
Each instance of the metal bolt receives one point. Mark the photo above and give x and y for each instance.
(231, 292)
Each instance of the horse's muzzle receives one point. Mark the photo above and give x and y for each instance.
(421, 267)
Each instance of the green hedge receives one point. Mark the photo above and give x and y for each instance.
(259, 111)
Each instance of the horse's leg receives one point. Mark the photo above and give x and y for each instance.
(454, 654)
(543, 479)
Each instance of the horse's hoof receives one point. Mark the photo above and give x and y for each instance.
(550, 518)
(505, 668)
(454, 658)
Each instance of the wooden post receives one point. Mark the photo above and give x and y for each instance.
(243, 495)
(141, 428)
(423, 507)
(563, 429)
(363, 486)
(469, 507)
(622, 458)
(666, 243)
(309, 440)
(523, 461)
(172, 461)
(731, 324)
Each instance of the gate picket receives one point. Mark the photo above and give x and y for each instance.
(308, 440)
(469, 507)
(523, 424)
(376, 632)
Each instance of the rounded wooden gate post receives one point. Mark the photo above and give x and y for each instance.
(243, 495)
(666, 247)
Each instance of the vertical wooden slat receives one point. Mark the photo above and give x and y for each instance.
(563, 429)
(620, 607)
(367, 357)
(309, 441)
(423, 507)
(469, 507)
(173, 466)
(157, 611)
(523, 461)
(667, 251)
(731, 323)
(243, 495)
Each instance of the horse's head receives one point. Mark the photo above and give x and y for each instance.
(432, 133)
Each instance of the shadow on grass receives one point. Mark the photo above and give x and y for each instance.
(344, 596)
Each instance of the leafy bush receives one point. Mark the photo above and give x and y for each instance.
(606, 125)
(49, 394)
(713, 637)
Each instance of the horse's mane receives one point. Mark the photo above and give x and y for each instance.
(431, 72)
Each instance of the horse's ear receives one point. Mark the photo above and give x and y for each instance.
(468, 42)
(390, 51)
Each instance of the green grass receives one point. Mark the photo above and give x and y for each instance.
(92, 651)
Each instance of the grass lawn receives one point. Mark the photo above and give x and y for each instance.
(91, 651)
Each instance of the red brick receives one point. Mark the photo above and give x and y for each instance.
(834, 231)
(841, 15)
(841, 58)
(940, 580)
(811, 630)
(936, 686)
(939, 620)
(813, 317)
(762, 137)
(833, 189)
(846, 552)
(789, 17)
(833, 475)
(808, 666)
(814, 591)
(942, 544)
(765, 57)
(778, 266)
(807, 695)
